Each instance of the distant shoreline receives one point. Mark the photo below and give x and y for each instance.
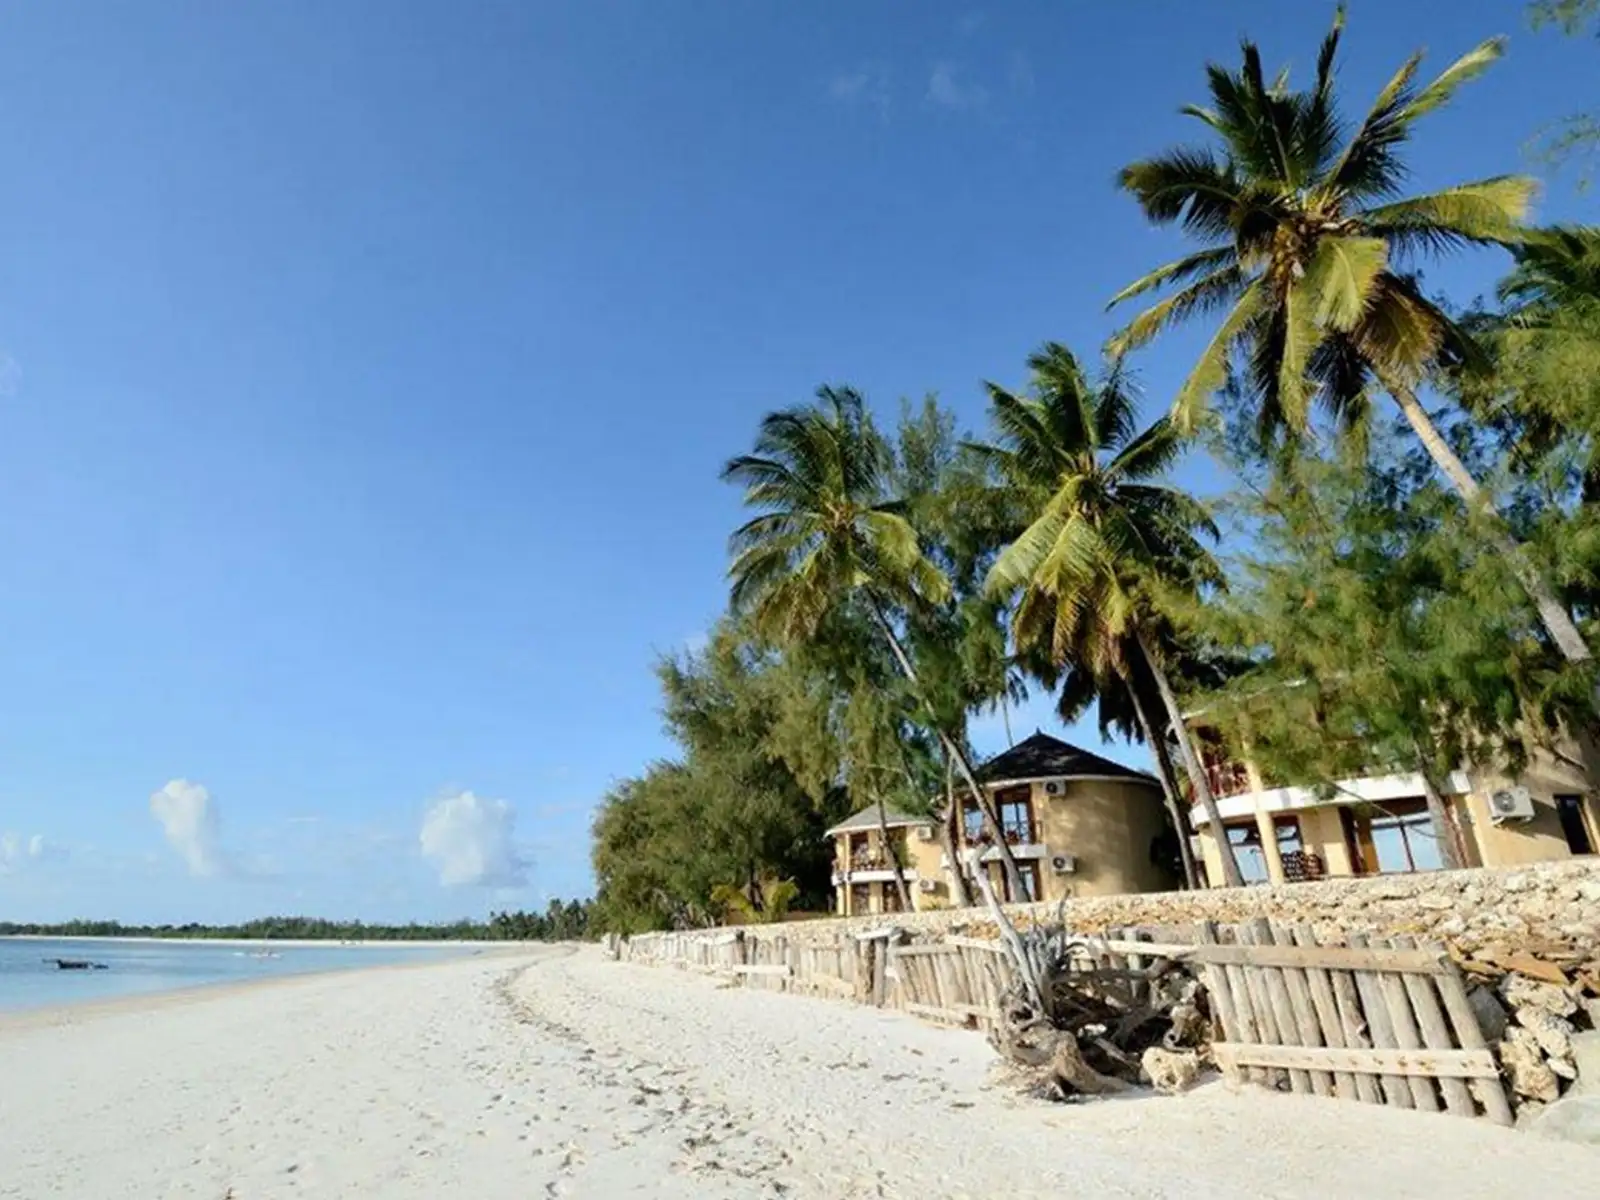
(392, 943)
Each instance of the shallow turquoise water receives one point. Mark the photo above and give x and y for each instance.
(29, 979)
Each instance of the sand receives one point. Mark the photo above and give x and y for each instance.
(555, 1073)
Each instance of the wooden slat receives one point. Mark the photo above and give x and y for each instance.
(1220, 995)
(1327, 957)
(1407, 1036)
(1435, 1033)
(1277, 1021)
(1396, 1091)
(970, 943)
(1491, 1093)
(1410, 1064)
(1320, 989)
(936, 1013)
(1303, 1015)
(1245, 1004)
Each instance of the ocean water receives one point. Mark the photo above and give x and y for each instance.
(29, 977)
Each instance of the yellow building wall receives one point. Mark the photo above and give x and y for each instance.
(1108, 826)
(1322, 834)
(1542, 838)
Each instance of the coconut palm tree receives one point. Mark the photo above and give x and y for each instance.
(1101, 538)
(1306, 248)
(826, 536)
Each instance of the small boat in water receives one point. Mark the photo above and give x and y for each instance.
(77, 964)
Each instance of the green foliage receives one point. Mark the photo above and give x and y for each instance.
(748, 801)
(1383, 636)
(737, 908)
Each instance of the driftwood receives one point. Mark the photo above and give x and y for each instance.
(1084, 1027)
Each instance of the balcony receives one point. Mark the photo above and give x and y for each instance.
(874, 870)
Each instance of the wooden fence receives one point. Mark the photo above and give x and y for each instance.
(1384, 1022)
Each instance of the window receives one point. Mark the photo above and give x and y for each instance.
(860, 898)
(1570, 810)
(1016, 814)
(891, 898)
(1030, 881)
(972, 820)
(1403, 838)
(1252, 859)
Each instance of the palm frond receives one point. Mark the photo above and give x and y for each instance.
(1187, 186)
(1339, 279)
(1211, 372)
(1465, 69)
(1486, 212)
(1201, 262)
(1149, 454)
(1205, 295)
(1368, 166)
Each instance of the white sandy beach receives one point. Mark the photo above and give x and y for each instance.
(555, 1073)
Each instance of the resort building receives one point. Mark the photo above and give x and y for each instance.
(1077, 824)
(1378, 824)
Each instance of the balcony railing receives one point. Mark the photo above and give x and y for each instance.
(1224, 779)
(1016, 832)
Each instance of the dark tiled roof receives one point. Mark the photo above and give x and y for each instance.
(1043, 757)
(867, 818)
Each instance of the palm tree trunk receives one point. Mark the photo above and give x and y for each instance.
(1557, 621)
(1451, 853)
(959, 891)
(894, 858)
(1169, 790)
(991, 819)
(1191, 764)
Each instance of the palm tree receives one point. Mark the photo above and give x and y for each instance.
(1305, 246)
(827, 536)
(1123, 705)
(1101, 538)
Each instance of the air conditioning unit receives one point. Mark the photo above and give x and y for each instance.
(1054, 787)
(1512, 804)
(1063, 864)
(925, 833)
(927, 885)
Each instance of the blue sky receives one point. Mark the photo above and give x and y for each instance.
(365, 369)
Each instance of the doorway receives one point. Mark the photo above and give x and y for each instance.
(1570, 810)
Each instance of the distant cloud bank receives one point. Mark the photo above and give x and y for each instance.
(17, 851)
(469, 839)
(188, 817)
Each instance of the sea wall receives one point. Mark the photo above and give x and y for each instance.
(1544, 908)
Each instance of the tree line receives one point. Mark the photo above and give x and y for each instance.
(1402, 576)
(561, 921)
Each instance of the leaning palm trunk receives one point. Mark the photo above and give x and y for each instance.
(991, 818)
(894, 858)
(1451, 853)
(1191, 764)
(1555, 618)
(959, 892)
(1169, 790)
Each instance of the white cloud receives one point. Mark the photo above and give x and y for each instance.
(867, 86)
(17, 851)
(469, 839)
(189, 819)
(947, 91)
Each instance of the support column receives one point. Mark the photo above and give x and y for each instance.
(1269, 847)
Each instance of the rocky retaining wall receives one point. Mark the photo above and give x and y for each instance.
(1546, 908)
